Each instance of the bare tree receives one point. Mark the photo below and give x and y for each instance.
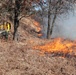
(49, 19)
(57, 7)
(16, 15)
(16, 9)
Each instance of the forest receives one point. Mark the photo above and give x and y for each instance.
(37, 37)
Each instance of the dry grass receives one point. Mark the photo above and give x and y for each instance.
(18, 58)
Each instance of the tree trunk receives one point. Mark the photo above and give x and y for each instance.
(16, 20)
(49, 19)
(16, 25)
(48, 28)
(55, 15)
(51, 29)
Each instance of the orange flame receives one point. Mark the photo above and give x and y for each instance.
(38, 29)
(37, 25)
(39, 35)
(58, 45)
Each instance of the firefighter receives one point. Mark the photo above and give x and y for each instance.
(6, 28)
(1, 27)
(8, 25)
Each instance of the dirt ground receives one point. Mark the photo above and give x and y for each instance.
(18, 57)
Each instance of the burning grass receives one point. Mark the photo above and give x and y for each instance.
(37, 24)
(58, 45)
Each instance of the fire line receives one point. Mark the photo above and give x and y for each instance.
(58, 45)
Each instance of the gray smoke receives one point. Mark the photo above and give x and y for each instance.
(65, 26)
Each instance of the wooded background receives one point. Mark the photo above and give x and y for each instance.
(15, 10)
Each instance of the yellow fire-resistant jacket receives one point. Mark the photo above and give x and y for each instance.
(6, 26)
(1, 27)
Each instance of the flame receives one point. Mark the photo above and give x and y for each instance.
(58, 45)
(38, 28)
(39, 35)
(37, 25)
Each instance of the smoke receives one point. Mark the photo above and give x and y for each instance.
(65, 26)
